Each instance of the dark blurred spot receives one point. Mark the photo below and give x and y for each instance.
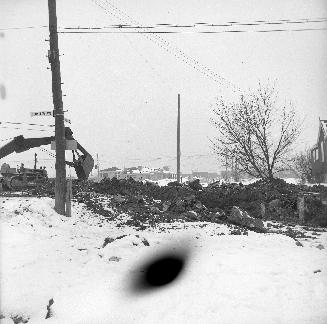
(159, 272)
(163, 271)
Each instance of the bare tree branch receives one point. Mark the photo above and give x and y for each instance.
(255, 131)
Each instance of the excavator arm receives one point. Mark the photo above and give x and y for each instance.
(20, 144)
(83, 165)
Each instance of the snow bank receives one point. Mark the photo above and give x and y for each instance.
(85, 264)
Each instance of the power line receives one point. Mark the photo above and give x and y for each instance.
(48, 152)
(153, 36)
(194, 25)
(19, 123)
(182, 55)
(30, 129)
(28, 160)
(147, 62)
(164, 44)
(184, 32)
(197, 25)
(25, 27)
(7, 139)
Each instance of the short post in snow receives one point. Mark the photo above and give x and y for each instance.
(69, 194)
(301, 207)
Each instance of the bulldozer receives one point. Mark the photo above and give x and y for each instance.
(21, 178)
(26, 178)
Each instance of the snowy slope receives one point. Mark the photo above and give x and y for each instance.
(259, 278)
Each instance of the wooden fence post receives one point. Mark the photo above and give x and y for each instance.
(300, 207)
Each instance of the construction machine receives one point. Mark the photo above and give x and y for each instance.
(23, 178)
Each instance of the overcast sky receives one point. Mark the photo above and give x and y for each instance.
(121, 89)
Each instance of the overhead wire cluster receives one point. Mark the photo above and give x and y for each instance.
(30, 129)
(192, 28)
(130, 25)
(20, 126)
(53, 155)
(112, 10)
(151, 32)
(147, 62)
(29, 124)
(200, 27)
(23, 28)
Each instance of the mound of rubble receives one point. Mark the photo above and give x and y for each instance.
(148, 203)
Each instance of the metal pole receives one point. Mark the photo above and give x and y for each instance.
(179, 141)
(53, 55)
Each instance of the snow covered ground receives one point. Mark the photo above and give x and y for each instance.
(255, 278)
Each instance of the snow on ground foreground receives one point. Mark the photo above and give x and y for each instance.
(259, 278)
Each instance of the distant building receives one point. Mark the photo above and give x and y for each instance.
(110, 173)
(138, 173)
(199, 175)
(205, 176)
(319, 154)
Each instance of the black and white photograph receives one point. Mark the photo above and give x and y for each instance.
(163, 162)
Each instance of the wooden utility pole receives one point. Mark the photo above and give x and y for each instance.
(98, 166)
(53, 55)
(179, 140)
(226, 166)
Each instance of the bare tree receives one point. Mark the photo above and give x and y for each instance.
(301, 164)
(256, 131)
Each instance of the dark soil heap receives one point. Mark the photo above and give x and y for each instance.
(274, 199)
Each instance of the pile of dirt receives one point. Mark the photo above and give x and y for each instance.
(131, 187)
(273, 199)
(148, 202)
(45, 189)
